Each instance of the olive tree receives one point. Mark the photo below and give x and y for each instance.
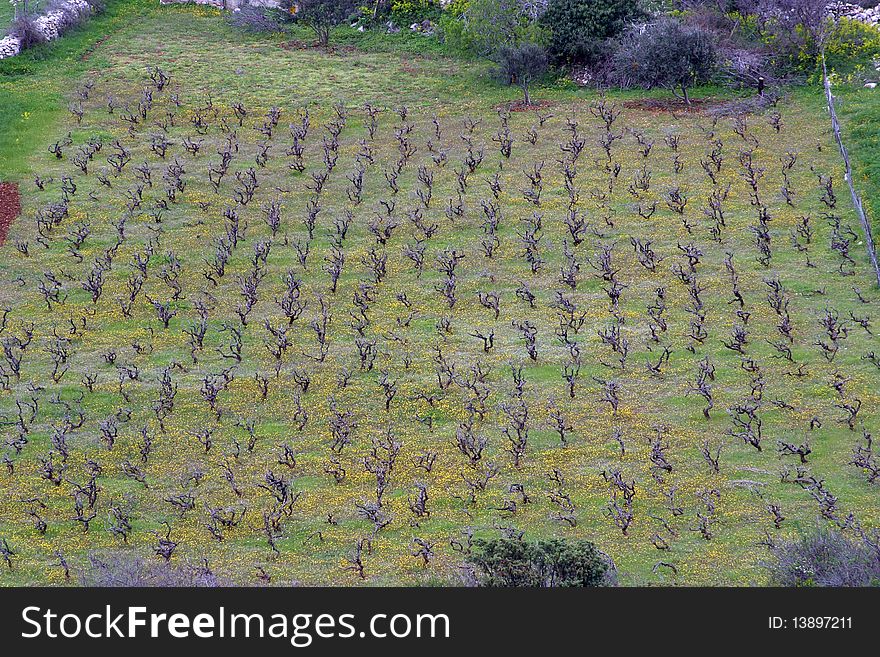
(521, 65)
(323, 15)
(667, 54)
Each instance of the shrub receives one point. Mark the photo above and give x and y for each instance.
(407, 12)
(507, 562)
(824, 558)
(451, 25)
(321, 16)
(579, 28)
(665, 54)
(850, 44)
(796, 29)
(521, 65)
(127, 570)
(254, 19)
(24, 28)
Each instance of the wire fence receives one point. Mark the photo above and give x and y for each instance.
(857, 200)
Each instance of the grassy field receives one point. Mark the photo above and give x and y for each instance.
(860, 114)
(300, 446)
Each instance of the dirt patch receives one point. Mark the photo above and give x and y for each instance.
(10, 208)
(299, 44)
(520, 106)
(674, 105)
(407, 67)
(92, 48)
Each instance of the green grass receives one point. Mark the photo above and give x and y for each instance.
(390, 71)
(859, 114)
(34, 86)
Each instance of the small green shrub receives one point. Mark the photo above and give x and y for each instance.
(407, 12)
(506, 562)
(851, 44)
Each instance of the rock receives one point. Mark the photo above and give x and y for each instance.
(9, 46)
(425, 28)
(870, 85)
(391, 28)
(871, 16)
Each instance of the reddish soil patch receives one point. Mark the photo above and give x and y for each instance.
(91, 49)
(520, 106)
(406, 67)
(298, 44)
(673, 105)
(10, 208)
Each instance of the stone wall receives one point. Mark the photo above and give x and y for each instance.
(50, 24)
(228, 5)
(871, 16)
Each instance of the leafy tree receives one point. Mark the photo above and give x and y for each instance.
(579, 28)
(507, 562)
(484, 25)
(521, 65)
(797, 28)
(666, 54)
(323, 15)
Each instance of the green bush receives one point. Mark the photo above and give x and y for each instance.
(580, 28)
(452, 27)
(483, 26)
(407, 12)
(506, 562)
(851, 44)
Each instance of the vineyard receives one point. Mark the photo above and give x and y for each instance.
(250, 331)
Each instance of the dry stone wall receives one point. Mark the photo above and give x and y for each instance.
(50, 24)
